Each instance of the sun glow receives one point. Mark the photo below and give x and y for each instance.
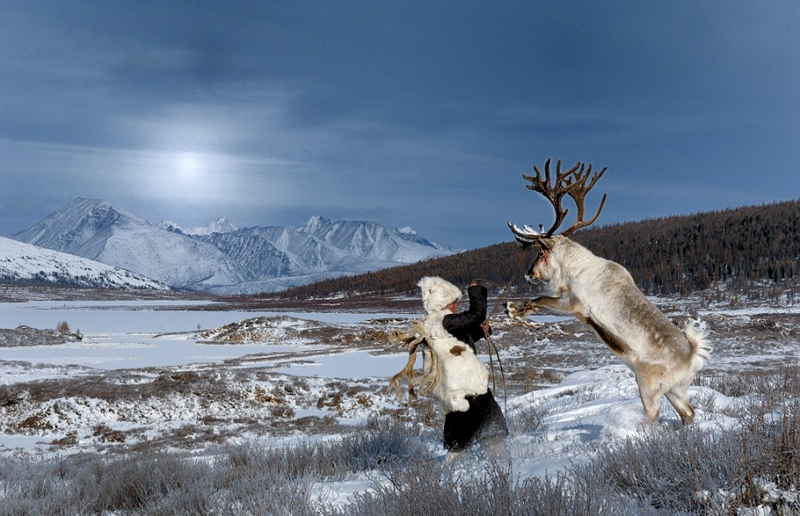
(188, 165)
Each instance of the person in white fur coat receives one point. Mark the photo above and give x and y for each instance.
(471, 413)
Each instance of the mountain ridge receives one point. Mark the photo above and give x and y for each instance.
(221, 259)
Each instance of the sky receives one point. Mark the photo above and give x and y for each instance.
(406, 113)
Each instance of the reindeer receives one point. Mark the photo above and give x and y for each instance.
(601, 294)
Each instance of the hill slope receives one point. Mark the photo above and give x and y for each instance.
(22, 263)
(753, 250)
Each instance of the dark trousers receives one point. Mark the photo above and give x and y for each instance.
(483, 420)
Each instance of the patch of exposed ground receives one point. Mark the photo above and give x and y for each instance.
(372, 334)
(27, 336)
(21, 293)
(753, 342)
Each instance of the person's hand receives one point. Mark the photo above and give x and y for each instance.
(486, 327)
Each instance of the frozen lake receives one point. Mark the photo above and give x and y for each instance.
(123, 335)
(97, 317)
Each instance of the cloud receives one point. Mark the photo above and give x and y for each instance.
(420, 113)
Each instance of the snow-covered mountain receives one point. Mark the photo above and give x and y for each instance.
(26, 263)
(221, 225)
(99, 231)
(221, 259)
(370, 240)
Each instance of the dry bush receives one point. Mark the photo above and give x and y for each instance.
(486, 488)
(727, 384)
(527, 420)
(444, 493)
(244, 479)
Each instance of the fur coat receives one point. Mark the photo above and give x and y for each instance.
(460, 371)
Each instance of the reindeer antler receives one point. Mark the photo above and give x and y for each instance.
(579, 193)
(554, 192)
(571, 182)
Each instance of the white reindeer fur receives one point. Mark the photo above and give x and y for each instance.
(602, 294)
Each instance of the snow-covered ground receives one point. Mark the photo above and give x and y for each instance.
(332, 369)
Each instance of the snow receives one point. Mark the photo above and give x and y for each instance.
(221, 225)
(124, 335)
(23, 262)
(356, 364)
(584, 409)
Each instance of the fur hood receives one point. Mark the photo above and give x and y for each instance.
(437, 293)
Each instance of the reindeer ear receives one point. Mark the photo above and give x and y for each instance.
(546, 243)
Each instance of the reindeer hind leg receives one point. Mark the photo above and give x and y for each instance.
(650, 399)
(678, 397)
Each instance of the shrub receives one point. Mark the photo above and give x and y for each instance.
(63, 328)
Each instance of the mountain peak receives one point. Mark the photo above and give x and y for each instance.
(82, 227)
(221, 225)
(170, 226)
(313, 225)
(82, 206)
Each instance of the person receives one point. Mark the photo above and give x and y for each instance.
(471, 413)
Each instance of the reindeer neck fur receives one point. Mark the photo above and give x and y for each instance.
(568, 260)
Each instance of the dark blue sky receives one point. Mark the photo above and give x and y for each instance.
(421, 114)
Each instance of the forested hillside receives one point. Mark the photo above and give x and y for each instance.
(739, 250)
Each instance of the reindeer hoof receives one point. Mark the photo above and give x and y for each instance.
(520, 312)
(511, 310)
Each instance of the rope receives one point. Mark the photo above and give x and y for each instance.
(489, 341)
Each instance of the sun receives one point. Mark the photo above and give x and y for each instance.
(188, 165)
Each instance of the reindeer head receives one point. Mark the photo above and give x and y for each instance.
(572, 183)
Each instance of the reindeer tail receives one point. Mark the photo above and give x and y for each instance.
(701, 347)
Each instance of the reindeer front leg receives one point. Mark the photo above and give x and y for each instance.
(531, 306)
